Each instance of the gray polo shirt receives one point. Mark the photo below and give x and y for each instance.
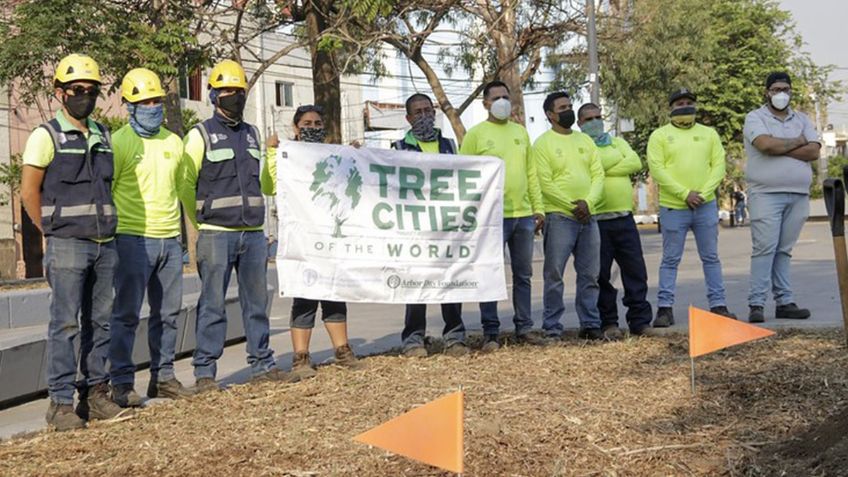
(766, 173)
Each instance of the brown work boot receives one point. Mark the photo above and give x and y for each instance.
(416, 351)
(100, 406)
(124, 395)
(346, 358)
(203, 385)
(612, 333)
(302, 368)
(63, 418)
(170, 389)
(456, 350)
(273, 374)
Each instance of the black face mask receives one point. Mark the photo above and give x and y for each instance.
(79, 106)
(233, 105)
(566, 118)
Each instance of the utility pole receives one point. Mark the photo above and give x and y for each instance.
(592, 40)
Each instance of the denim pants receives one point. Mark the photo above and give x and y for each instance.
(518, 236)
(218, 252)
(415, 325)
(303, 312)
(565, 236)
(154, 265)
(776, 223)
(703, 222)
(620, 242)
(80, 274)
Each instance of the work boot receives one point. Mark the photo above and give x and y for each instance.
(100, 405)
(612, 333)
(723, 311)
(791, 312)
(203, 385)
(124, 395)
(756, 315)
(592, 334)
(532, 339)
(273, 374)
(346, 358)
(62, 417)
(490, 344)
(665, 317)
(170, 389)
(417, 351)
(302, 367)
(457, 349)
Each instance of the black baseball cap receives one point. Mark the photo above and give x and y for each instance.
(778, 76)
(681, 93)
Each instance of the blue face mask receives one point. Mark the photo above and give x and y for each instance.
(595, 130)
(146, 120)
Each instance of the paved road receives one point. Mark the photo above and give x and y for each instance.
(376, 328)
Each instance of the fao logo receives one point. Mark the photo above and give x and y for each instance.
(393, 281)
(310, 277)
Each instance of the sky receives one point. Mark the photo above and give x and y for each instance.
(822, 25)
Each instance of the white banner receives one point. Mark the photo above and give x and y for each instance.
(383, 226)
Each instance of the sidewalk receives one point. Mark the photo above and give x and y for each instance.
(376, 328)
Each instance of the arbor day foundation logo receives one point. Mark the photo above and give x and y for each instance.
(337, 188)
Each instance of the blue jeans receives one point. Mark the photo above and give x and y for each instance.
(80, 274)
(620, 241)
(415, 325)
(675, 225)
(154, 265)
(565, 236)
(518, 236)
(217, 254)
(776, 223)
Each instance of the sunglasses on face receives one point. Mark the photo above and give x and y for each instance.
(79, 90)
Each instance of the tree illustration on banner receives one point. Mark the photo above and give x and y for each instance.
(337, 188)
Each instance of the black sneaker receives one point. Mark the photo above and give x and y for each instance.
(723, 311)
(665, 317)
(791, 312)
(756, 315)
(592, 334)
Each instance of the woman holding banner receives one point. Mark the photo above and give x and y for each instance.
(308, 126)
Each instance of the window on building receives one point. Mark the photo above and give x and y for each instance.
(285, 95)
(191, 85)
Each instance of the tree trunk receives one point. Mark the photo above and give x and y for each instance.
(506, 45)
(326, 80)
(173, 111)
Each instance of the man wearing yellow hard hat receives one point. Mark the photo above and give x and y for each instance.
(223, 198)
(148, 172)
(65, 188)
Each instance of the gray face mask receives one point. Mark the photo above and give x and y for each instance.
(424, 128)
(312, 134)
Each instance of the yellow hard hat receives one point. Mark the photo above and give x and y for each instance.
(141, 84)
(227, 74)
(77, 68)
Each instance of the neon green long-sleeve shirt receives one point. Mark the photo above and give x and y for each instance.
(685, 160)
(620, 161)
(569, 170)
(510, 142)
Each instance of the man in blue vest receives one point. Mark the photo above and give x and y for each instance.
(65, 189)
(222, 197)
(425, 137)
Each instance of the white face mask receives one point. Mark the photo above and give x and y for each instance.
(780, 101)
(501, 109)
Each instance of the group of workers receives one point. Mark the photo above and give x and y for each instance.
(109, 206)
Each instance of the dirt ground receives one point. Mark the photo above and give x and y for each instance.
(774, 407)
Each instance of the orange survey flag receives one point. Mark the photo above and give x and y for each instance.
(709, 332)
(431, 434)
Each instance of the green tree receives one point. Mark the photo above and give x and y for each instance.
(721, 49)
